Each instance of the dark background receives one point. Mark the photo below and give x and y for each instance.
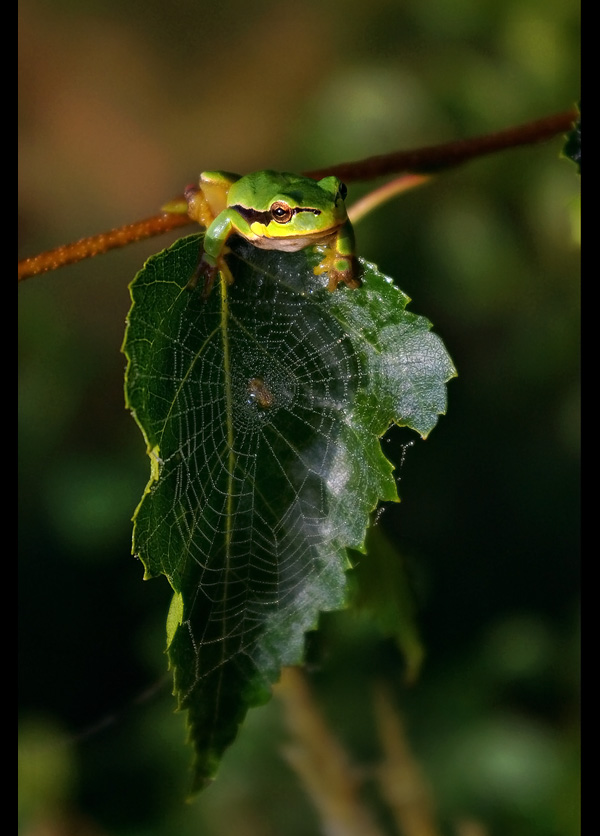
(121, 106)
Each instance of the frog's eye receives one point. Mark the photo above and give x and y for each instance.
(281, 212)
(343, 191)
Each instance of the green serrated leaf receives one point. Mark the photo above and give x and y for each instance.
(262, 410)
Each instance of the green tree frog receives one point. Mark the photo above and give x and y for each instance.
(273, 211)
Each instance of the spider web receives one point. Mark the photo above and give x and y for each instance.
(262, 408)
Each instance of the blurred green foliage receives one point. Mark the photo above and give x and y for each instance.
(572, 149)
(121, 106)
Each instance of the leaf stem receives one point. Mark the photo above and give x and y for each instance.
(386, 192)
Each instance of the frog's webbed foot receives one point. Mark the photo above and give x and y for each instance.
(348, 277)
(340, 269)
(207, 271)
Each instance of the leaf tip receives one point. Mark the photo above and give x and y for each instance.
(198, 785)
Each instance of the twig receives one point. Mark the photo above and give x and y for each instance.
(402, 782)
(321, 763)
(420, 161)
(101, 243)
(436, 157)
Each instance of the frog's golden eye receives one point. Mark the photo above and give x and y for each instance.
(281, 212)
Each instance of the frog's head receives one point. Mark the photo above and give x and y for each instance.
(280, 206)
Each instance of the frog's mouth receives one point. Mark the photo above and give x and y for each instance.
(287, 243)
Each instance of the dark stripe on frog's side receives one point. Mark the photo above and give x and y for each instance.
(254, 215)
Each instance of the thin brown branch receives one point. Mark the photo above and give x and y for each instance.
(436, 157)
(420, 161)
(402, 781)
(100, 243)
(321, 763)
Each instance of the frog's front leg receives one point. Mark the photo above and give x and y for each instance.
(206, 204)
(215, 250)
(339, 260)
